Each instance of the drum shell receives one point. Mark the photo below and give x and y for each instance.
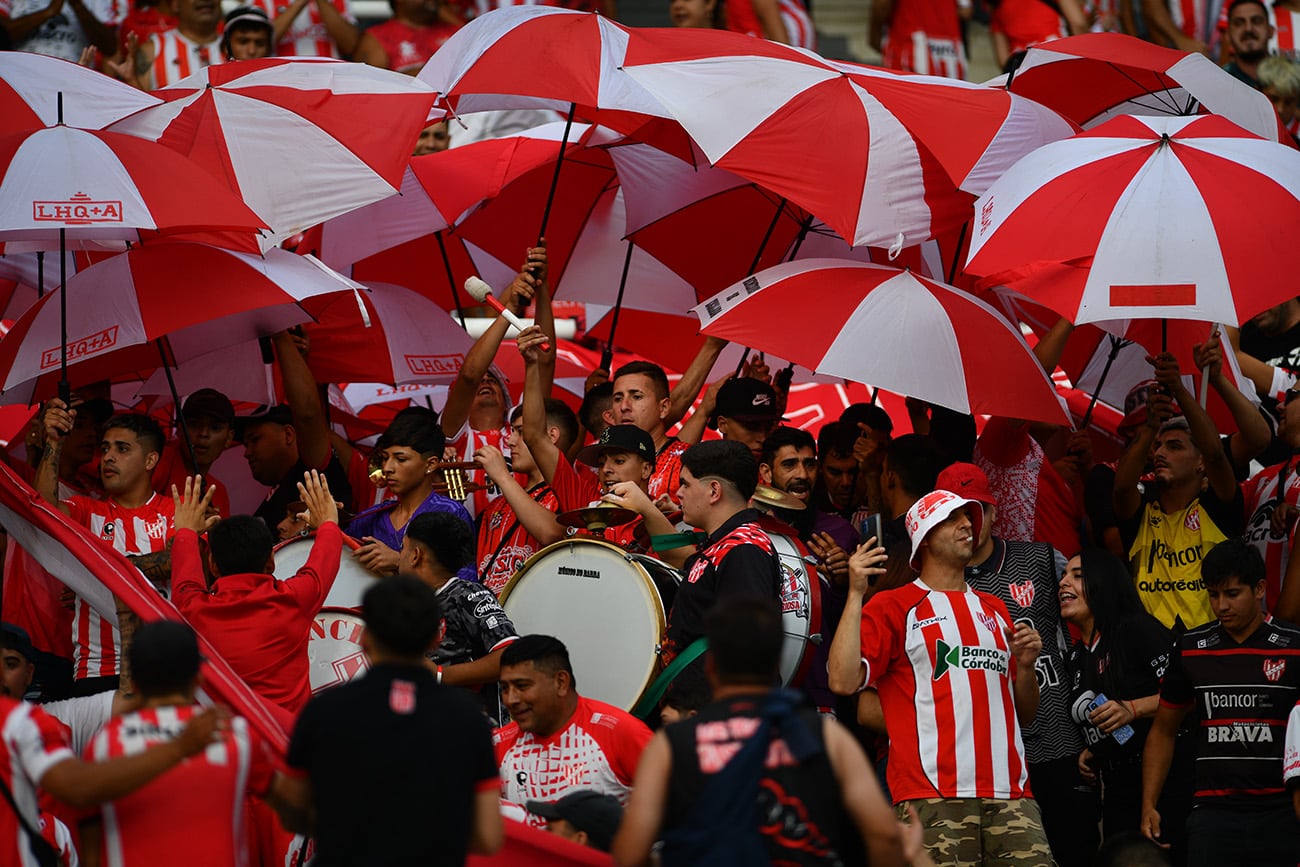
(351, 583)
(608, 606)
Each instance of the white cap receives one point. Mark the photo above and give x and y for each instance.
(932, 510)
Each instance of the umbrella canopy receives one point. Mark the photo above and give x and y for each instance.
(201, 298)
(1093, 77)
(38, 91)
(902, 332)
(301, 140)
(1146, 217)
(89, 185)
(869, 152)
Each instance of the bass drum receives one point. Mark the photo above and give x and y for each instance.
(801, 602)
(334, 654)
(352, 581)
(608, 606)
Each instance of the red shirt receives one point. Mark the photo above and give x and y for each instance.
(598, 749)
(409, 48)
(31, 742)
(193, 813)
(667, 476)
(504, 543)
(1034, 503)
(143, 530)
(258, 624)
(578, 488)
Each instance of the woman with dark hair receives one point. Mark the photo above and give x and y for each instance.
(411, 448)
(1116, 670)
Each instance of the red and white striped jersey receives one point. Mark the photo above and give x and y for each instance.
(142, 530)
(1291, 749)
(175, 56)
(1260, 493)
(465, 443)
(798, 24)
(306, 36)
(667, 476)
(942, 665)
(31, 742)
(924, 36)
(192, 813)
(598, 749)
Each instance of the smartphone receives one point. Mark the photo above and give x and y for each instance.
(874, 527)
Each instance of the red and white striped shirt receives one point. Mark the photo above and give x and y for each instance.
(924, 36)
(193, 813)
(667, 476)
(31, 742)
(175, 56)
(798, 24)
(942, 665)
(143, 530)
(306, 36)
(466, 442)
(1260, 494)
(598, 749)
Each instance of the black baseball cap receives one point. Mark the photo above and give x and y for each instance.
(16, 638)
(279, 414)
(620, 437)
(209, 403)
(746, 400)
(587, 810)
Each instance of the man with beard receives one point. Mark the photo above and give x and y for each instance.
(1249, 31)
(836, 488)
(789, 464)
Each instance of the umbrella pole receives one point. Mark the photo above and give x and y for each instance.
(956, 254)
(1116, 344)
(65, 387)
(176, 404)
(451, 281)
(758, 257)
(607, 357)
(798, 241)
(555, 179)
(1164, 335)
(40, 273)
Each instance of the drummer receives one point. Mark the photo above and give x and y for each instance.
(412, 448)
(624, 457)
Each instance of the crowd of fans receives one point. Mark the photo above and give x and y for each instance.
(1033, 655)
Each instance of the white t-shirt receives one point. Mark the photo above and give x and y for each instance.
(61, 36)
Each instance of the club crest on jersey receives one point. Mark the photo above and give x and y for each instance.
(1274, 669)
(1192, 522)
(946, 657)
(990, 622)
(401, 697)
(1023, 594)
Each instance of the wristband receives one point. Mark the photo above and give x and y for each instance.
(438, 675)
(1133, 710)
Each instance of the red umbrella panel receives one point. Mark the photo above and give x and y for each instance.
(38, 91)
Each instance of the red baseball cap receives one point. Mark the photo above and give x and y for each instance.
(966, 480)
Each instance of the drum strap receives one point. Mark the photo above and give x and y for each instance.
(646, 706)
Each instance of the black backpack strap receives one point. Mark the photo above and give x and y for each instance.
(46, 855)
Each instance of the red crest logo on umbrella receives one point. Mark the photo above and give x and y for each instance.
(1273, 669)
(1023, 593)
(434, 365)
(80, 210)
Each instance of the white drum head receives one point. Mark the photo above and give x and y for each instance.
(600, 601)
(334, 653)
(351, 583)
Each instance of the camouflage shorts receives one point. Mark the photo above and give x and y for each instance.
(968, 832)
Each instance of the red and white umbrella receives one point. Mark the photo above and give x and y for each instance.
(895, 330)
(1093, 77)
(300, 140)
(542, 57)
(871, 153)
(37, 91)
(93, 186)
(1146, 217)
(198, 298)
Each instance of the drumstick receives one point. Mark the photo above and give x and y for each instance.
(351, 543)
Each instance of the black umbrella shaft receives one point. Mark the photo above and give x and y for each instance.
(190, 460)
(65, 387)
(555, 179)
(451, 281)
(758, 257)
(1115, 345)
(607, 357)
